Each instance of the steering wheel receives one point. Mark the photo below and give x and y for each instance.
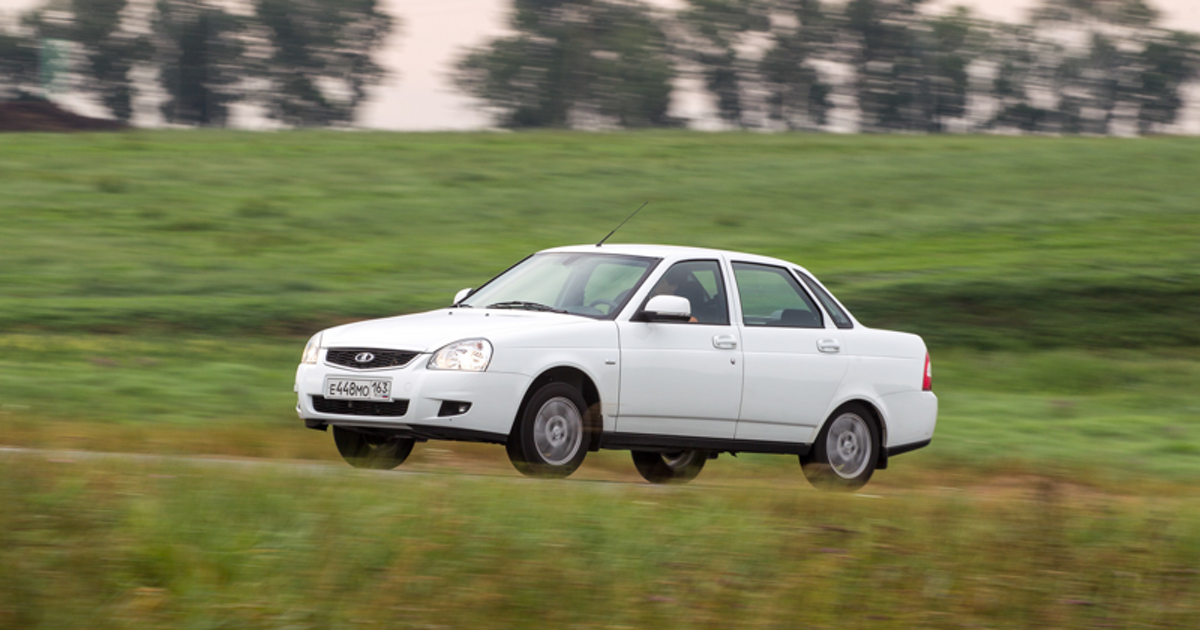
(612, 306)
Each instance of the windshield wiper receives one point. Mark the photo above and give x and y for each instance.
(526, 306)
(461, 305)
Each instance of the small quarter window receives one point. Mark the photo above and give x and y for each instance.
(839, 316)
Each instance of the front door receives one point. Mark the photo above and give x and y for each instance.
(683, 378)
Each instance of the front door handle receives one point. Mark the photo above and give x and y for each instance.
(725, 342)
(830, 346)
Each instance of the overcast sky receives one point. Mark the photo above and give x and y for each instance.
(420, 96)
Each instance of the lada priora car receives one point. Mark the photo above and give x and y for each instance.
(676, 354)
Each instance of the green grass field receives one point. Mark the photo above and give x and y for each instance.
(156, 289)
(986, 242)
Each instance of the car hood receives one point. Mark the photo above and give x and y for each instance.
(426, 332)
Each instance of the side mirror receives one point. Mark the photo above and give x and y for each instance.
(461, 295)
(667, 308)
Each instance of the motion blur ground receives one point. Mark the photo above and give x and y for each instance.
(115, 544)
(157, 289)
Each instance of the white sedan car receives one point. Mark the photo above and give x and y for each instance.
(674, 353)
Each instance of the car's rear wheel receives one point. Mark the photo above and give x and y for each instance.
(364, 450)
(549, 439)
(844, 455)
(670, 466)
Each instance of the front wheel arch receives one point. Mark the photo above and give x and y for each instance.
(578, 379)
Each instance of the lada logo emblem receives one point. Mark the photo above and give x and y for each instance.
(364, 357)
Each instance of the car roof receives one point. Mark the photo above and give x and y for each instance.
(673, 252)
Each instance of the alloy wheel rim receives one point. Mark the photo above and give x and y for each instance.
(558, 431)
(848, 445)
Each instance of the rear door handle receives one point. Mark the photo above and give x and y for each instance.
(830, 346)
(725, 342)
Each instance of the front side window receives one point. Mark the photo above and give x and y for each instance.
(772, 297)
(701, 282)
(592, 285)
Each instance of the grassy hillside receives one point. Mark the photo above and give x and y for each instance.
(987, 242)
(156, 287)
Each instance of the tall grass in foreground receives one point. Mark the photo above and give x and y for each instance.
(120, 545)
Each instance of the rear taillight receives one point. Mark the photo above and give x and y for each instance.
(927, 383)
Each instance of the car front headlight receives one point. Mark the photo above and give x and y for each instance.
(471, 355)
(312, 350)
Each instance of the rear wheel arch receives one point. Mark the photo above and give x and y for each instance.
(836, 460)
(578, 379)
(874, 416)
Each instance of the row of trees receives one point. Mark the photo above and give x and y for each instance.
(305, 62)
(1076, 66)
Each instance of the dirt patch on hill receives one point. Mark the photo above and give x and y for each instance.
(46, 116)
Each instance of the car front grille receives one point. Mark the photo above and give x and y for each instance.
(393, 409)
(348, 357)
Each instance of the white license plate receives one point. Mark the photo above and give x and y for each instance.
(359, 388)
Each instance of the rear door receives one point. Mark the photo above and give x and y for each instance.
(794, 359)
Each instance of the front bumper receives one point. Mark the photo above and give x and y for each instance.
(494, 398)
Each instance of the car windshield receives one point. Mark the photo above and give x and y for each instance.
(592, 285)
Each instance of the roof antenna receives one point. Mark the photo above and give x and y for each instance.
(622, 223)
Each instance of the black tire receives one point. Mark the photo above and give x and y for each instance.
(669, 467)
(364, 450)
(851, 436)
(550, 438)
(515, 454)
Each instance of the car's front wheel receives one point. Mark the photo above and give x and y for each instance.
(669, 467)
(549, 438)
(845, 452)
(363, 450)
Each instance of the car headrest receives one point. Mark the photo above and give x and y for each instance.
(799, 319)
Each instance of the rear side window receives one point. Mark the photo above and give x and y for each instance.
(839, 317)
(772, 297)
